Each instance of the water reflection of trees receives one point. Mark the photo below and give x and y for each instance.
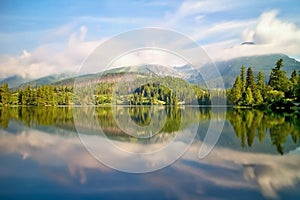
(64, 116)
(176, 117)
(33, 116)
(249, 124)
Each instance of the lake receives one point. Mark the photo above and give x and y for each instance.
(73, 152)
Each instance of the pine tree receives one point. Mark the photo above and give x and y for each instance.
(249, 97)
(250, 82)
(243, 79)
(297, 91)
(278, 80)
(20, 97)
(260, 81)
(4, 94)
(294, 84)
(258, 97)
(26, 95)
(294, 78)
(236, 91)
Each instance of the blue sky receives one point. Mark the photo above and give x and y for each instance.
(51, 36)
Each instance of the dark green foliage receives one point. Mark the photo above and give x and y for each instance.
(249, 100)
(279, 88)
(4, 95)
(160, 91)
(236, 91)
(260, 84)
(152, 93)
(243, 79)
(294, 92)
(294, 77)
(278, 80)
(230, 69)
(297, 91)
(250, 82)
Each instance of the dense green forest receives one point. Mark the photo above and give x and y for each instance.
(160, 91)
(280, 92)
(46, 95)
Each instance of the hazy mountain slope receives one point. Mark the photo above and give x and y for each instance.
(149, 69)
(113, 75)
(47, 80)
(230, 69)
(14, 81)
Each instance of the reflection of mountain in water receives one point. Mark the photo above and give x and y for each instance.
(248, 129)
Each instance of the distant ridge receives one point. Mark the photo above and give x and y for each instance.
(15, 81)
(47, 80)
(113, 75)
(228, 69)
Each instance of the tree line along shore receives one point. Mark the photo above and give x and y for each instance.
(280, 92)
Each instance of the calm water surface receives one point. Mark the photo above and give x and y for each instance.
(42, 157)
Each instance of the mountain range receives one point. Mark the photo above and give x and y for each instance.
(20, 82)
(228, 69)
(15, 81)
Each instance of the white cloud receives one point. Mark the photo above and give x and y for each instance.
(83, 31)
(198, 9)
(248, 35)
(59, 32)
(157, 57)
(53, 58)
(270, 35)
(230, 28)
(271, 30)
(205, 6)
(49, 58)
(25, 54)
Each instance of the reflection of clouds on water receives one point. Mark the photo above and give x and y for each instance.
(139, 157)
(268, 173)
(47, 149)
(278, 175)
(223, 168)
